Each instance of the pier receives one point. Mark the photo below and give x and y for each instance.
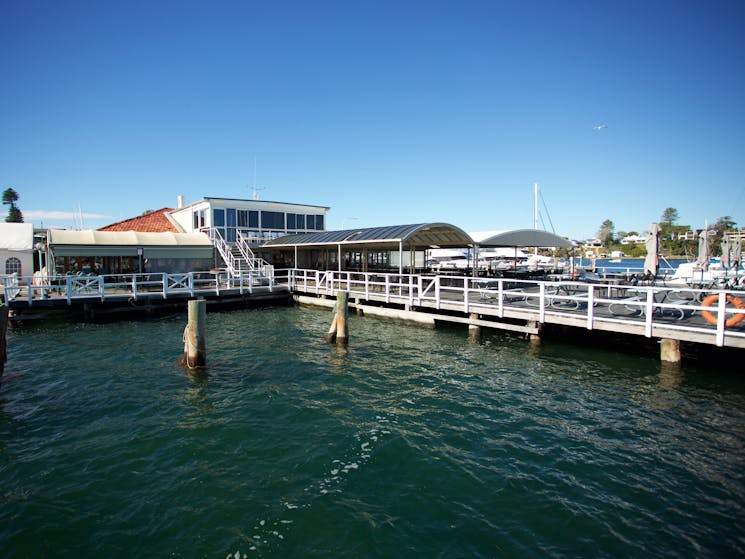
(94, 296)
(665, 313)
(669, 314)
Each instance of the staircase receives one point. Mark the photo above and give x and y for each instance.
(239, 258)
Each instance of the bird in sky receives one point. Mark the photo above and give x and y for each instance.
(599, 126)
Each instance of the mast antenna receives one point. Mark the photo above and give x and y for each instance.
(255, 189)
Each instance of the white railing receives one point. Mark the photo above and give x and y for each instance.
(132, 286)
(254, 262)
(9, 285)
(224, 249)
(642, 309)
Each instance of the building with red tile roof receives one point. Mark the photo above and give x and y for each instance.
(157, 221)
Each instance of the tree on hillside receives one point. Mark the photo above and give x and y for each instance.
(605, 233)
(669, 217)
(724, 224)
(10, 197)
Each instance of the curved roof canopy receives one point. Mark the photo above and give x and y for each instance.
(525, 238)
(430, 235)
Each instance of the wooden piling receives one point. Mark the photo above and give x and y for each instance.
(339, 330)
(195, 346)
(3, 330)
(474, 331)
(670, 350)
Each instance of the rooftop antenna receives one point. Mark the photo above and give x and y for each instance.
(255, 189)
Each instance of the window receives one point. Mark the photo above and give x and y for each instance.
(218, 218)
(198, 219)
(13, 266)
(315, 222)
(295, 221)
(272, 220)
(231, 221)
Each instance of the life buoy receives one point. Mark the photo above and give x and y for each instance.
(735, 301)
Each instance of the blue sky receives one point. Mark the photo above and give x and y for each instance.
(389, 112)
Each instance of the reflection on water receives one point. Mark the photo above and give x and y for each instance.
(410, 441)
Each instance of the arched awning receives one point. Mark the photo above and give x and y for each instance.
(526, 238)
(424, 235)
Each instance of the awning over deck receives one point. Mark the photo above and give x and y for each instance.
(525, 238)
(421, 235)
(126, 243)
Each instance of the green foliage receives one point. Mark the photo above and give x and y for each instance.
(14, 215)
(669, 216)
(605, 233)
(10, 197)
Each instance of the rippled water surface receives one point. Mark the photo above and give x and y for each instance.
(412, 442)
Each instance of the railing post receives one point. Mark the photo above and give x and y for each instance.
(721, 317)
(68, 289)
(542, 302)
(134, 286)
(500, 293)
(649, 309)
(466, 302)
(590, 306)
(437, 292)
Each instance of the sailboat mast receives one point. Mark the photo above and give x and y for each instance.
(535, 211)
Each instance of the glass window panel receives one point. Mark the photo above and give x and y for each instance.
(272, 220)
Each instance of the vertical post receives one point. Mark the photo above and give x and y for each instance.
(669, 350)
(474, 331)
(195, 347)
(339, 330)
(3, 330)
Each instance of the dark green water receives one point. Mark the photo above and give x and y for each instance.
(411, 443)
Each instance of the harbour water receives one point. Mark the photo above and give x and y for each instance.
(411, 442)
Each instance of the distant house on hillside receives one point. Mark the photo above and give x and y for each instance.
(633, 240)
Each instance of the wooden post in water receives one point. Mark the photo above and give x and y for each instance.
(3, 330)
(670, 350)
(339, 330)
(195, 346)
(474, 331)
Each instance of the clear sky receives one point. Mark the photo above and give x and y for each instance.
(388, 111)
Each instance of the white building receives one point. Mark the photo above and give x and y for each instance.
(633, 240)
(257, 220)
(17, 249)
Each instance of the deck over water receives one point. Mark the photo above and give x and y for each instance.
(651, 311)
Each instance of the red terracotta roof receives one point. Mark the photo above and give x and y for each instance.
(153, 222)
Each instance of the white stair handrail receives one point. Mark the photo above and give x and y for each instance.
(224, 249)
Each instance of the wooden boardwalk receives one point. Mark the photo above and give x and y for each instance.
(660, 312)
(673, 313)
(91, 296)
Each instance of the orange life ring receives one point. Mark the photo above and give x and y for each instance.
(711, 319)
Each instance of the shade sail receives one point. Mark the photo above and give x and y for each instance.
(526, 238)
